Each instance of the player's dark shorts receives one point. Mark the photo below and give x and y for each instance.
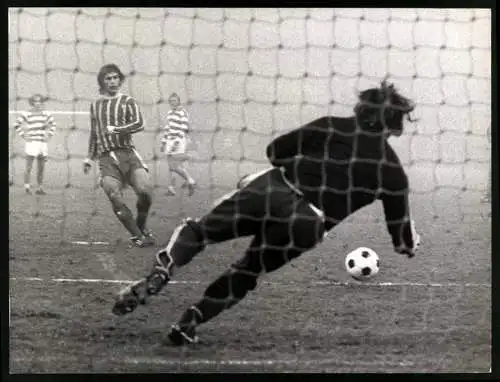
(266, 200)
(120, 164)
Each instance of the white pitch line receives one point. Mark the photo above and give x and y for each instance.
(215, 363)
(90, 242)
(314, 283)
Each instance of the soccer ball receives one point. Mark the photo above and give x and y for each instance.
(362, 263)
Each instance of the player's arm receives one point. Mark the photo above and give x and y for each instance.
(285, 147)
(92, 148)
(18, 125)
(135, 120)
(166, 130)
(397, 215)
(51, 125)
(188, 122)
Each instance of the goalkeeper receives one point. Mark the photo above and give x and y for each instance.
(322, 172)
(114, 117)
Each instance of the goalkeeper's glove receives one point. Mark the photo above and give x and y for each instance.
(410, 252)
(86, 166)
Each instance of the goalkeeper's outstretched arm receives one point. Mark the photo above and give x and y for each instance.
(401, 228)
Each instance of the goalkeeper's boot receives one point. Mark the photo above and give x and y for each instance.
(179, 336)
(130, 297)
(184, 332)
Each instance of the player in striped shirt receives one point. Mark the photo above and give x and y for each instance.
(36, 127)
(174, 143)
(114, 117)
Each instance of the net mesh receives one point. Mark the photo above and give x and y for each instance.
(246, 76)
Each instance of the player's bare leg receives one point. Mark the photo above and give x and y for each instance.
(141, 183)
(113, 189)
(27, 173)
(189, 181)
(170, 179)
(40, 174)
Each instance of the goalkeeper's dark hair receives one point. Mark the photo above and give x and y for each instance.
(383, 107)
(106, 69)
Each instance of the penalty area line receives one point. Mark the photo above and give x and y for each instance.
(89, 242)
(313, 283)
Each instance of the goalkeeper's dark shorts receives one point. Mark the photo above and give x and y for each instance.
(267, 202)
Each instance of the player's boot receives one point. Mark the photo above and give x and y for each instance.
(141, 241)
(40, 191)
(27, 189)
(149, 237)
(170, 191)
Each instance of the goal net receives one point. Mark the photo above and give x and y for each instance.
(246, 76)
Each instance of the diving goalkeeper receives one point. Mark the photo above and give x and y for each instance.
(322, 172)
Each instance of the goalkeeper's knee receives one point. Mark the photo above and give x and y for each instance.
(186, 241)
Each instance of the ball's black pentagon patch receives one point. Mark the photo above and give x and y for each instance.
(378, 263)
(365, 254)
(366, 271)
(350, 263)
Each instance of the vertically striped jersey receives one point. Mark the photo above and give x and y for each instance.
(35, 126)
(177, 123)
(120, 111)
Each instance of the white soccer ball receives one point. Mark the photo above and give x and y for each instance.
(362, 263)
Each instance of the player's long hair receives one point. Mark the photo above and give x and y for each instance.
(109, 68)
(383, 108)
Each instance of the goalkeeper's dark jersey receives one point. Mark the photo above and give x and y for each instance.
(340, 168)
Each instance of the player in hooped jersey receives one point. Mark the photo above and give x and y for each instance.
(174, 143)
(114, 117)
(36, 127)
(322, 172)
